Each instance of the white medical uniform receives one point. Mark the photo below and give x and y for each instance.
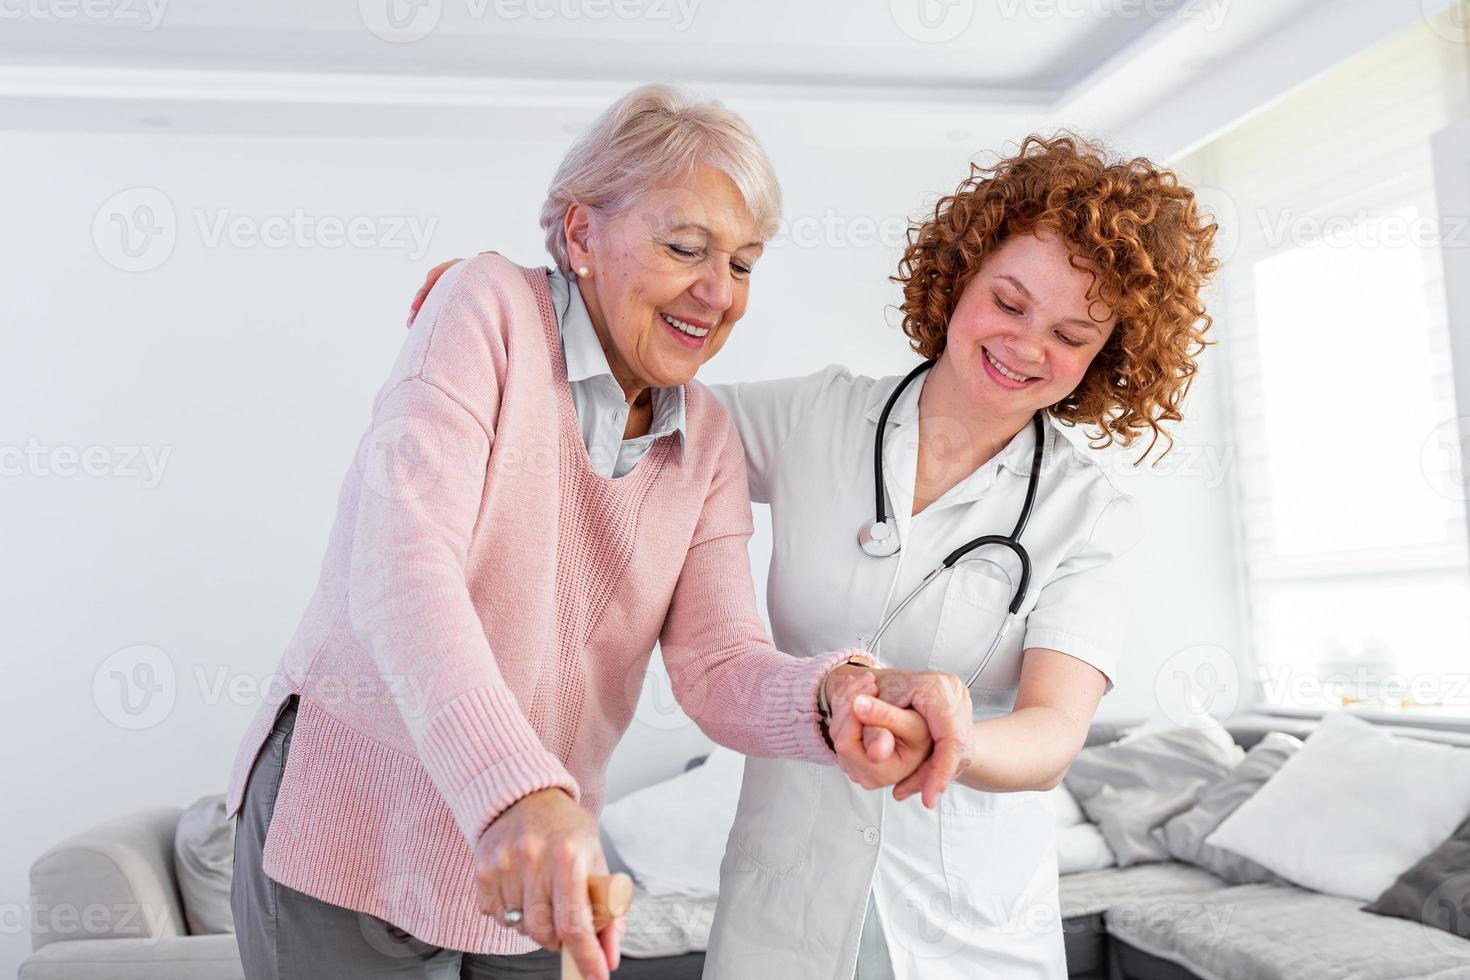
(968, 890)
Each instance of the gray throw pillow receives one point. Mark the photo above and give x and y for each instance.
(204, 858)
(1436, 890)
(1184, 836)
(1133, 786)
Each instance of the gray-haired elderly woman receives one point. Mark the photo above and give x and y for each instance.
(543, 493)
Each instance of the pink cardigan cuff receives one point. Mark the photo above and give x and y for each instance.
(794, 724)
(488, 757)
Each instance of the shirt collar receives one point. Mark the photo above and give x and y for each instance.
(1014, 456)
(585, 358)
(579, 343)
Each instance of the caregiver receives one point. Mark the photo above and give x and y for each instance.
(544, 492)
(1057, 282)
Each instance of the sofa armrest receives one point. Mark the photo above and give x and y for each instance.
(113, 881)
(215, 957)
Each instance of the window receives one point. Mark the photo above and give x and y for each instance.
(1331, 317)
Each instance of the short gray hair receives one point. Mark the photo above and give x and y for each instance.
(653, 134)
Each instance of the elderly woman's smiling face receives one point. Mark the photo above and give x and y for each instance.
(668, 278)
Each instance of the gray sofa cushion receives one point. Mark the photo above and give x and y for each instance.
(1280, 932)
(1095, 891)
(171, 958)
(1130, 787)
(1183, 836)
(204, 856)
(1436, 890)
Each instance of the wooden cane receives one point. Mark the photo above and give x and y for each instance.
(610, 896)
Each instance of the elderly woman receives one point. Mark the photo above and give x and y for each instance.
(1057, 287)
(543, 494)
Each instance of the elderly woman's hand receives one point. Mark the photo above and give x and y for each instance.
(536, 857)
(943, 701)
(877, 744)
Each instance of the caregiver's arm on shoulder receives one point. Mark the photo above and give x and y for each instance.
(765, 413)
(422, 478)
(1074, 641)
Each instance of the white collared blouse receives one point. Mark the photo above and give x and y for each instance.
(602, 407)
(970, 889)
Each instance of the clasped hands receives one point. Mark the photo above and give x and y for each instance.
(913, 731)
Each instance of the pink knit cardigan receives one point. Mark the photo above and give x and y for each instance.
(486, 610)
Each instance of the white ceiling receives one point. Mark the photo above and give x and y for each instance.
(925, 71)
(996, 46)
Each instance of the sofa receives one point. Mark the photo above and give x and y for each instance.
(108, 905)
(1173, 921)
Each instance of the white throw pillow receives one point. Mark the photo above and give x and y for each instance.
(671, 835)
(1352, 809)
(1083, 848)
(1069, 811)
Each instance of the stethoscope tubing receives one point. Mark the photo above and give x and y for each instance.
(1010, 541)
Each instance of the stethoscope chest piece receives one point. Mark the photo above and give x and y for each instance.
(879, 539)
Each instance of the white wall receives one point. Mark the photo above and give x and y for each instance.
(252, 368)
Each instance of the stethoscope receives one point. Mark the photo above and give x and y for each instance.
(880, 539)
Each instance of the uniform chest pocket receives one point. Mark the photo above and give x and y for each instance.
(976, 601)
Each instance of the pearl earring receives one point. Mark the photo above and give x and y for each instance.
(583, 271)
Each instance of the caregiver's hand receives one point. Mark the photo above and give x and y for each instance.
(877, 744)
(536, 856)
(944, 702)
(433, 277)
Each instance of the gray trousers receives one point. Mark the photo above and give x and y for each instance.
(287, 935)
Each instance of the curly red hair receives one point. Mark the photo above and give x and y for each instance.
(1132, 225)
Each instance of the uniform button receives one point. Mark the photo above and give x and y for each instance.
(870, 835)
